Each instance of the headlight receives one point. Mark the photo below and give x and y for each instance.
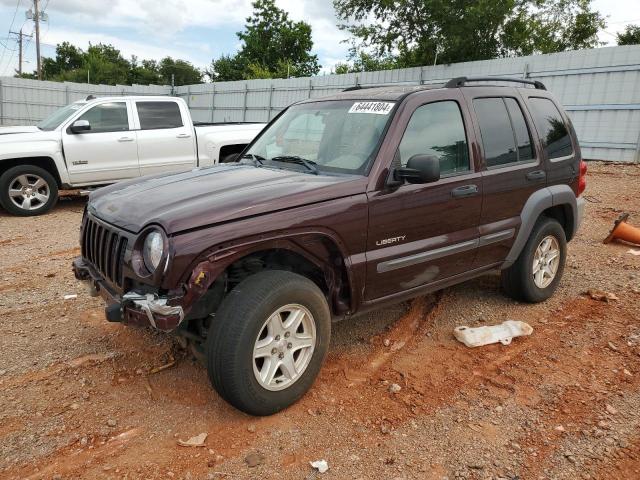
(152, 250)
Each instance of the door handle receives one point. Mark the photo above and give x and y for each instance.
(537, 175)
(125, 139)
(183, 135)
(464, 191)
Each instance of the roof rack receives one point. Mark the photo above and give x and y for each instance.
(461, 81)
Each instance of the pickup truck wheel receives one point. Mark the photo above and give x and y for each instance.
(537, 271)
(27, 190)
(267, 341)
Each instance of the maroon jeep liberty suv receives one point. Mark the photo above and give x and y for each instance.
(341, 205)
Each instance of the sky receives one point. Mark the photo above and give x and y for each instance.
(193, 30)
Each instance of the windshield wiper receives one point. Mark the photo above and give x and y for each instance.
(309, 164)
(257, 159)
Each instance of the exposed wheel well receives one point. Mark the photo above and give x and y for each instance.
(43, 162)
(230, 149)
(564, 215)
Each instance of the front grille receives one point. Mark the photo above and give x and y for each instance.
(104, 248)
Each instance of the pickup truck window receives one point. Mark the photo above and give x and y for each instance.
(339, 136)
(107, 117)
(437, 129)
(553, 131)
(155, 115)
(54, 120)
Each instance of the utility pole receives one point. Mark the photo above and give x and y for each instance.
(20, 36)
(36, 17)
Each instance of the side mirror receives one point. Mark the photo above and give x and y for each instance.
(80, 126)
(420, 169)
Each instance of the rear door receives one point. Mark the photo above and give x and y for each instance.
(108, 151)
(421, 234)
(512, 167)
(166, 141)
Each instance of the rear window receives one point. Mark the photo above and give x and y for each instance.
(154, 115)
(553, 131)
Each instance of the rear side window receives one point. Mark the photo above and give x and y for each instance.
(523, 137)
(553, 131)
(505, 136)
(154, 115)
(437, 129)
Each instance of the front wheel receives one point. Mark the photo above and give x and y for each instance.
(267, 341)
(27, 190)
(536, 273)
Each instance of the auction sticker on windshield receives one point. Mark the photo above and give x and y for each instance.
(378, 108)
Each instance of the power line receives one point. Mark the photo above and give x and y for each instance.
(15, 12)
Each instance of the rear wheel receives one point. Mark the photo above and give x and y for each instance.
(27, 190)
(537, 271)
(267, 341)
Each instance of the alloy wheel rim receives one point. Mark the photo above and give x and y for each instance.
(29, 191)
(284, 347)
(546, 261)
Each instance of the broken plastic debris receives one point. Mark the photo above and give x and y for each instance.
(320, 465)
(197, 441)
(633, 252)
(71, 296)
(503, 333)
(601, 295)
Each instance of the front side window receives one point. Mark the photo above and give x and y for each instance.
(107, 117)
(338, 136)
(552, 129)
(155, 115)
(437, 129)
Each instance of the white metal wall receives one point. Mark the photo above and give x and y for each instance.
(600, 89)
(26, 102)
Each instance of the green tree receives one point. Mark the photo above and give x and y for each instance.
(419, 32)
(273, 46)
(184, 72)
(360, 61)
(630, 36)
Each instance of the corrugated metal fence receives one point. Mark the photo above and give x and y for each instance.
(600, 89)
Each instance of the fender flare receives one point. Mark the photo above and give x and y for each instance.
(536, 204)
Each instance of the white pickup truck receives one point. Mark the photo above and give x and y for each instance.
(103, 140)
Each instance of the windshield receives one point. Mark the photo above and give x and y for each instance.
(332, 136)
(56, 118)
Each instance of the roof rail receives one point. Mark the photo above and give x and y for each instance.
(461, 81)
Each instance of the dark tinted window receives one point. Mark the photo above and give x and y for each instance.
(437, 129)
(552, 129)
(107, 117)
(523, 137)
(495, 128)
(159, 115)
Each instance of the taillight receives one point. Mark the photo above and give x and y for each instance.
(582, 179)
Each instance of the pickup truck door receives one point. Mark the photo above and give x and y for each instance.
(420, 234)
(105, 153)
(166, 137)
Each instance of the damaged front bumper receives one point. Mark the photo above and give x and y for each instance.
(132, 308)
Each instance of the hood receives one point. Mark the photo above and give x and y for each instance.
(213, 195)
(25, 129)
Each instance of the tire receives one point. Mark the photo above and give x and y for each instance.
(241, 323)
(24, 177)
(518, 280)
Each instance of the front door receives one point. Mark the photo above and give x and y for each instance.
(105, 153)
(420, 234)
